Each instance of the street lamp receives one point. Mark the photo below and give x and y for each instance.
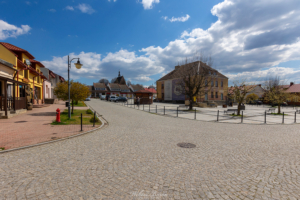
(78, 66)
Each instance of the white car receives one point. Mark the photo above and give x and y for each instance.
(112, 98)
(102, 97)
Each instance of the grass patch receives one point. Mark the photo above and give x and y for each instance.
(2, 148)
(75, 118)
(80, 104)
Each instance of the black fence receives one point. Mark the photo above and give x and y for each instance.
(265, 114)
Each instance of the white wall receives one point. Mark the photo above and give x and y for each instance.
(168, 90)
(47, 90)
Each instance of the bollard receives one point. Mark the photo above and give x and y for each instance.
(195, 113)
(81, 121)
(218, 116)
(265, 117)
(164, 110)
(127, 103)
(283, 117)
(177, 111)
(134, 106)
(156, 108)
(94, 118)
(149, 107)
(295, 117)
(143, 107)
(242, 117)
(58, 115)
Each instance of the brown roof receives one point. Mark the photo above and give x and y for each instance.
(177, 73)
(99, 85)
(21, 64)
(14, 48)
(295, 88)
(136, 87)
(114, 86)
(124, 87)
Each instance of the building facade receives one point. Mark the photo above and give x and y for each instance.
(168, 89)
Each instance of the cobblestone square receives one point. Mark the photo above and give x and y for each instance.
(136, 157)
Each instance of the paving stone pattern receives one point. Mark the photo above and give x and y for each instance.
(137, 157)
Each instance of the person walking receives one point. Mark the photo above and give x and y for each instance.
(138, 102)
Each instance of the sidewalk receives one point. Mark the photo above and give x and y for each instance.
(35, 127)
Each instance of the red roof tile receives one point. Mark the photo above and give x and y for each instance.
(151, 90)
(294, 88)
(14, 48)
(38, 62)
(143, 91)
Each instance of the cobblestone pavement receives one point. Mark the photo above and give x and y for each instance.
(137, 154)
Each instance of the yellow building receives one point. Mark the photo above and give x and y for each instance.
(28, 71)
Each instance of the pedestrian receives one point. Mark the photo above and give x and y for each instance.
(138, 101)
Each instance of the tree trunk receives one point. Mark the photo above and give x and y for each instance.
(278, 108)
(191, 105)
(239, 108)
(72, 106)
(76, 102)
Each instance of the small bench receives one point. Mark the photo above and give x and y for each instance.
(272, 110)
(230, 110)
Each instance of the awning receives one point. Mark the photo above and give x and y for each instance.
(13, 81)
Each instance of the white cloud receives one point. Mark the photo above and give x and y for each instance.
(7, 30)
(28, 2)
(52, 10)
(85, 8)
(148, 4)
(113, 0)
(133, 67)
(177, 19)
(70, 8)
(248, 38)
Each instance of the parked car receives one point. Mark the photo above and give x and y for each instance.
(256, 102)
(123, 99)
(112, 98)
(103, 97)
(88, 99)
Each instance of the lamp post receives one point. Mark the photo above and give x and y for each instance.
(78, 66)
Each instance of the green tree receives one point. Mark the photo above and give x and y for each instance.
(251, 97)
(78, 92)
(275, 92)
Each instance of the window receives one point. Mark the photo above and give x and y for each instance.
(26, 73)
(216, 83)
(212, 95)
(162, 86)
(206, 83)
(216, 94)
(221, 96)
(221, 83)
(212, 83)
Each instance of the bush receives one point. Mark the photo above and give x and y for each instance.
(89, 111)
(96, 119)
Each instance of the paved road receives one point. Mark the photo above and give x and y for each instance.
(137, 154)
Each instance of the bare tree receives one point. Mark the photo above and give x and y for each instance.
(275, 92)
(105, 81)
(195, 76)
(113, 80)
(239, 91)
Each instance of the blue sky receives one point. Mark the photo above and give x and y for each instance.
(145, 39)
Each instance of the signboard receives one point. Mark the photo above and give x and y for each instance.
(168, 90)
(177, 91)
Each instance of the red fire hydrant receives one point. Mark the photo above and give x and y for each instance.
(57, 115)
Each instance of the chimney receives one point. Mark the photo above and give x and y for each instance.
(291, 83)
(177, 67)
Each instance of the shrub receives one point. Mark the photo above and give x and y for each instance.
(89, 111)
(96, 119)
